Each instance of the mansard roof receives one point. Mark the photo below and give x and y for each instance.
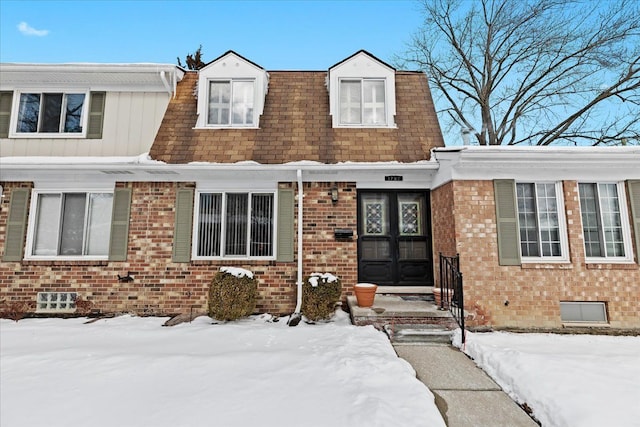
(296, 126)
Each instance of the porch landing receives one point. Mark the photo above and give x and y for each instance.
(396, 311)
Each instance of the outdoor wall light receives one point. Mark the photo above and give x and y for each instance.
(334, 194)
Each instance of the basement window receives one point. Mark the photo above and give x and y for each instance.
(56, 302)
(583, 312)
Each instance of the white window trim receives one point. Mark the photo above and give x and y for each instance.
(562, 222)
(230, 125)
(626, 229)
(33, 209)
(386, 124)
(196, 211)
(13, 122)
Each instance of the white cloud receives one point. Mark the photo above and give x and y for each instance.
(28, 30)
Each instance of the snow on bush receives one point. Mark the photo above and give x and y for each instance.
(314, 278)
(232, 294)
(321, 293)
(237, 272)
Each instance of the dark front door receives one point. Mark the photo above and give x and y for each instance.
(394, 237)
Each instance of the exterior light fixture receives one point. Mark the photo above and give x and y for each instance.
(334, 194)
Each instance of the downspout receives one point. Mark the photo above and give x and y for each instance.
(296, 316)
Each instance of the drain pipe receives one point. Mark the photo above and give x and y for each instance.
(295, 318)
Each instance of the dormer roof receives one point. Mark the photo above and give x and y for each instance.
(362, 53)
(226, 68)
(353, 75)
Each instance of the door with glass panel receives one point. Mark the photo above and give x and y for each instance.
(394, 238)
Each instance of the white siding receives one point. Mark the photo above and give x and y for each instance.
(131, 121)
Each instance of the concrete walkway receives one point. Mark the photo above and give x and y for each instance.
(465, 395)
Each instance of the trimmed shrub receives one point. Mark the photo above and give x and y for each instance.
(232, 296)
(15, 310)
(320, 293)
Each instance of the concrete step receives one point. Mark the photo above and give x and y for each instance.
(418, 334)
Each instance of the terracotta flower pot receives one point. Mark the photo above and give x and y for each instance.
(365, 294)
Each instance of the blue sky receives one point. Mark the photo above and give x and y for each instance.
(278, 35)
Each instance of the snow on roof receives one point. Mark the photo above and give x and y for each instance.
(78, 160)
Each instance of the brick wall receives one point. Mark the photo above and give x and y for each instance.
(533, 291)
(161, 286)
(443, 224)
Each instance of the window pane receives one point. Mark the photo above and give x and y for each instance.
(612, 222)
(52, 110)
(373, 108)
(219, 103)
(47, 225)
(261, 225)
(590, 220)
(73, 215)
(28, 112)
(210, 225)
(73, 113)
(375, 213)
(242, 102)
(528, 220)
(548, 219)
(99, 224)
(236, 230)
(350, 94)
(410, 213)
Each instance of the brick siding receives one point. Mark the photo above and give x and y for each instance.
(161, 286)
(533, 291)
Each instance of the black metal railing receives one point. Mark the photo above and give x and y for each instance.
(451, 293)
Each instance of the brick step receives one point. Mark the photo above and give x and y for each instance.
(394, 309)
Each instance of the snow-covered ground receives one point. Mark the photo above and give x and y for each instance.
(568, 380)
(130, 371)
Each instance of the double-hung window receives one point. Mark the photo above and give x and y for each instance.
(50, 113)
(235, 225)
(362, 102)
(71, 224)
(231, 102)
(541, 221)
(605, 222)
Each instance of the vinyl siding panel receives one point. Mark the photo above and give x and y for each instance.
(131, 121)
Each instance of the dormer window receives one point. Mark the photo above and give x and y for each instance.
(362, 102)
(231, 93)
(362, 92)
(50, 113)
(231, 103)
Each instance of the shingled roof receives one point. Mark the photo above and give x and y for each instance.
(296, 126)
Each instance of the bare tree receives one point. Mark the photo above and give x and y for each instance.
(534, 72)
(194, 60)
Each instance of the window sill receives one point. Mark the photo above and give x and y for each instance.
(78, 262)
(585, 325)
(233, 262)
(224, 127)
(52, 135)
(611, 266)
(360, 126)
(557, 265)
